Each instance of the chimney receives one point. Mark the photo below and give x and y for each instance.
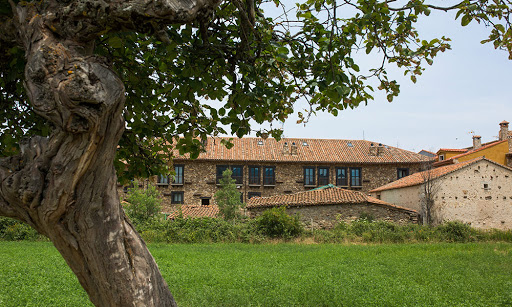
(503, 130)
(477, 142)
(293, 149)
(373, 150)
(286, 151)
(380, 149)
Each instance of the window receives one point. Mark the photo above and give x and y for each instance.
(269, 175)
(220, 170)
(176, 197)
(162, 180)
(441, 157)
(402, 172)
(355, 176)
(237, 172)
(254, 175)
(205, 201)
(323, 176)
(309, 176)
(178, 177)
(253, 194)
(341, 177)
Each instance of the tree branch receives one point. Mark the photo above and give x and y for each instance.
(78, 19)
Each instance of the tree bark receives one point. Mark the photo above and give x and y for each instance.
(65, 185)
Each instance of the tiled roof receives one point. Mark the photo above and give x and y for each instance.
(419, 178)
(452, 159)
(452, 149)
(325, 196)
(308, 150)
(195, 211)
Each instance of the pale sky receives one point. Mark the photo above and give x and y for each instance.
(466, 90)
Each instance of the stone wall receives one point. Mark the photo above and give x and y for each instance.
(479, 194)
(200, 178)
(327, 216)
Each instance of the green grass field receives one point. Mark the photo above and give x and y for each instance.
(476, 274)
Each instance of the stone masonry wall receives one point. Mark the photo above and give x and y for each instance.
(327, 216)
(480, 195)
(200, 178)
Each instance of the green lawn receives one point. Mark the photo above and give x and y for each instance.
(33, 274)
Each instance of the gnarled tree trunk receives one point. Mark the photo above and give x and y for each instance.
(65, 185)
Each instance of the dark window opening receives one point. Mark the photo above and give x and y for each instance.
(341, 176)
(254, 175)
(220, 170)
(309, 176)
(176, 197)
(355, 177)
(205, 201)
(178, 177)
(402, 172)
(269, 175)
(237, 172)
(323, 176)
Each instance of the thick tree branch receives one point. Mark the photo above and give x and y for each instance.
(78, 19)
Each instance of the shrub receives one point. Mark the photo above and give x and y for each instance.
(143, 204)
(13, 230)
(276, 223)
(455, 231)
(366, 216)
(228, 197)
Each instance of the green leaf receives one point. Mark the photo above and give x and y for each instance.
(466, 19)
(115, 42)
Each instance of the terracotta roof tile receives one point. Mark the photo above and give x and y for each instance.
(195, 211)
(316, 150)
(419, 178)
(323, 196)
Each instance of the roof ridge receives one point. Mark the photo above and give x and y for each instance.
(477, 150)
(398, 183)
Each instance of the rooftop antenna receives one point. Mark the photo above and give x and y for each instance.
(363, 136)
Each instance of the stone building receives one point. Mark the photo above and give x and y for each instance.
(266, 167)
(325, 206)
(477, 192)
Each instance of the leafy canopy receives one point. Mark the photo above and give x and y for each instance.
(247, 65)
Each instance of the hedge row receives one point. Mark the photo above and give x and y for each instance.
(276, 224)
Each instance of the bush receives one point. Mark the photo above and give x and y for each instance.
(13, 230)
(275, 223)
(455, 231)
(142, 205)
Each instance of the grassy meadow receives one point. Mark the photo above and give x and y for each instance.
(439, 274)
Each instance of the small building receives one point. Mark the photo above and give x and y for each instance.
(477, 192)
(499, 151)
(325, 206)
